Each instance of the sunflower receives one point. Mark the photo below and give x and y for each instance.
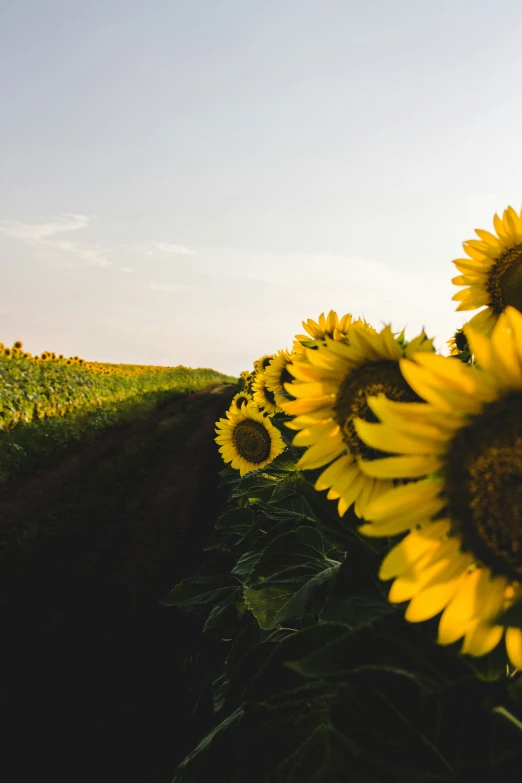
(458, 343)
(331, 386)
(248, 379)
(247, 439)
(263, 397)
(240, 399)
(277, 374)
(18, 345)
(463, 556)
(262, 363)
(493, 271)
(330, 326)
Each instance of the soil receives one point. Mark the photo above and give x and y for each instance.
(97, 681)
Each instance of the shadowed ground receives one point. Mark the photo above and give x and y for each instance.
(96, 674)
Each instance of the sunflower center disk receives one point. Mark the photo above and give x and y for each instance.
(252, 441)
(505, 280)
(269, 395)
(380, 377)
(461, 340)
(483, 484)
(285, 377)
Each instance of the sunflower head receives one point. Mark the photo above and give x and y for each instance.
(262, 363)
(277, 374)
(247, 439)
(8, 352)
(492, 271)
(326, 326)
(458, 343)
(262, 396)
(18, 345)
(240, 399)
(248, 379)
(331, 387)
(463, 552)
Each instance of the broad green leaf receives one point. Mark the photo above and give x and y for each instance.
(196, 767)
(236, 521)
(246, 564)
(198, 593)
(291, 578)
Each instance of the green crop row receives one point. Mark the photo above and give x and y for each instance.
(32, 390)
(49, 408)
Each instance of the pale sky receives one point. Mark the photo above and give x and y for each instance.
(185, 181)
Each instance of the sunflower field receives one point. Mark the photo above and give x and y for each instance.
(361, 594)
(49, 402)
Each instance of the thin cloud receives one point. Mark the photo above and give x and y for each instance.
(35, 232)
(169, 287)
(76, 256)
(180, 250)
(125, 269)
(65, 254)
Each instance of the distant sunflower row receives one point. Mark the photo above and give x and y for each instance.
(42, 386)
(16, 351)
(421, 446)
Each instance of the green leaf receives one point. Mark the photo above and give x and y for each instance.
(356, 596)
(291, 578)
(197, 593)
(246, 564)
(254, 485)
(297, 548)
(389, 642)
(236, 521)
(194, 768)
(224, 614)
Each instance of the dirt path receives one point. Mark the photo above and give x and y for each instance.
(94, 685)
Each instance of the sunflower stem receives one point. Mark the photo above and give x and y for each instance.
(508, 716)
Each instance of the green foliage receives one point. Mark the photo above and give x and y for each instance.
(32, 390)
(316, 677)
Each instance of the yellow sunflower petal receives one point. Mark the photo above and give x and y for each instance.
(328, 430)
(514, 646)
(459, 612)
(484, 321)
(428, 567)
(404, 554)
(435, 597)
(320, 454)
(406, 520)
(389, 439)
(402, 499)
(400, 467)
(333, 471)
(482, 638)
